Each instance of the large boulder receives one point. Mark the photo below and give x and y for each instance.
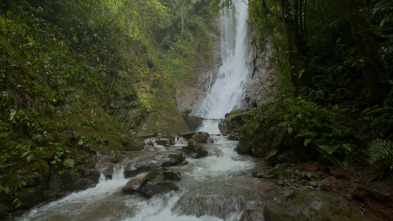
(195, 149)
(232, 120)
(201, 137)
(156, 181)
(193, 122)
(144, 161)
(56, 186)
(313, 205)
(133, 185)
(275, 146)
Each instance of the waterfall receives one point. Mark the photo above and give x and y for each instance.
(227, 91)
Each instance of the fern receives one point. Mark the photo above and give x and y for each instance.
(381, 150)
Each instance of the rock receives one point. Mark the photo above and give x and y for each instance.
(4, 211)
(252, 215)
(279, 171)
(187, 135)
(144, 161)
(222, 200)
(309, 175)
(134, 144)
(195, 149)
(326, 184)
(149, 136)
(243, 147)
(155, 182)
(233, 136)
(165, 140)
(258, 174)
(108, 172)
(56, 186)
(132, 186)
(171, 175)
(314, 184)
(193, 122)
(231, 120)
(313, 205)
(201, 137)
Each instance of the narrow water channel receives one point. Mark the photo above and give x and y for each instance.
(217, 187)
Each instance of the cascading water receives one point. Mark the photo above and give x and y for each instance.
(226, 92)
(211, 188)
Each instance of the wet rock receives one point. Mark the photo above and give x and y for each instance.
(156, 182)
(193, 122)
(57, 186)
(132, 186)
(201, 137)
(233, 136)
(195, 149)
(231, 121)
(313, 205)
(108, 172)
(187, 135)
(171, 175)
(252, 215)
(220, 201)
(144, 161)
(165, 140)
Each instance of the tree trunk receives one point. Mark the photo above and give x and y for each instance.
(291, 40)
(368, 48)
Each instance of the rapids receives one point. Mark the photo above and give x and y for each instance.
(211, 188)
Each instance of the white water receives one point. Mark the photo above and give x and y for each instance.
(211, 177)
(227, 91)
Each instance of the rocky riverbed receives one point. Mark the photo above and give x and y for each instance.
(195, 176)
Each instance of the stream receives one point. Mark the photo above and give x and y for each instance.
(217, 187)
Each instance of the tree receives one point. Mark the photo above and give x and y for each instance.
(368, 48)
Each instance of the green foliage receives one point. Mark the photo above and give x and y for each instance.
(324, 131)
(381, 151)
(381, 116)
(76, 76)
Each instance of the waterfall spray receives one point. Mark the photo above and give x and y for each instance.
(227, 91)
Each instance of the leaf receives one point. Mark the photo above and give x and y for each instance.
(335, 107)
(290, 130)
(29, 158)
(69, 163)
(307, 141)
(301, 73)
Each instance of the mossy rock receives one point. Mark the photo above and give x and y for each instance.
(314, 205)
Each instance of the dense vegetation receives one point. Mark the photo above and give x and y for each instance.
(78, 77)
(334, 62)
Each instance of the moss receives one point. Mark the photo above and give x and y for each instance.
(150, 175)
